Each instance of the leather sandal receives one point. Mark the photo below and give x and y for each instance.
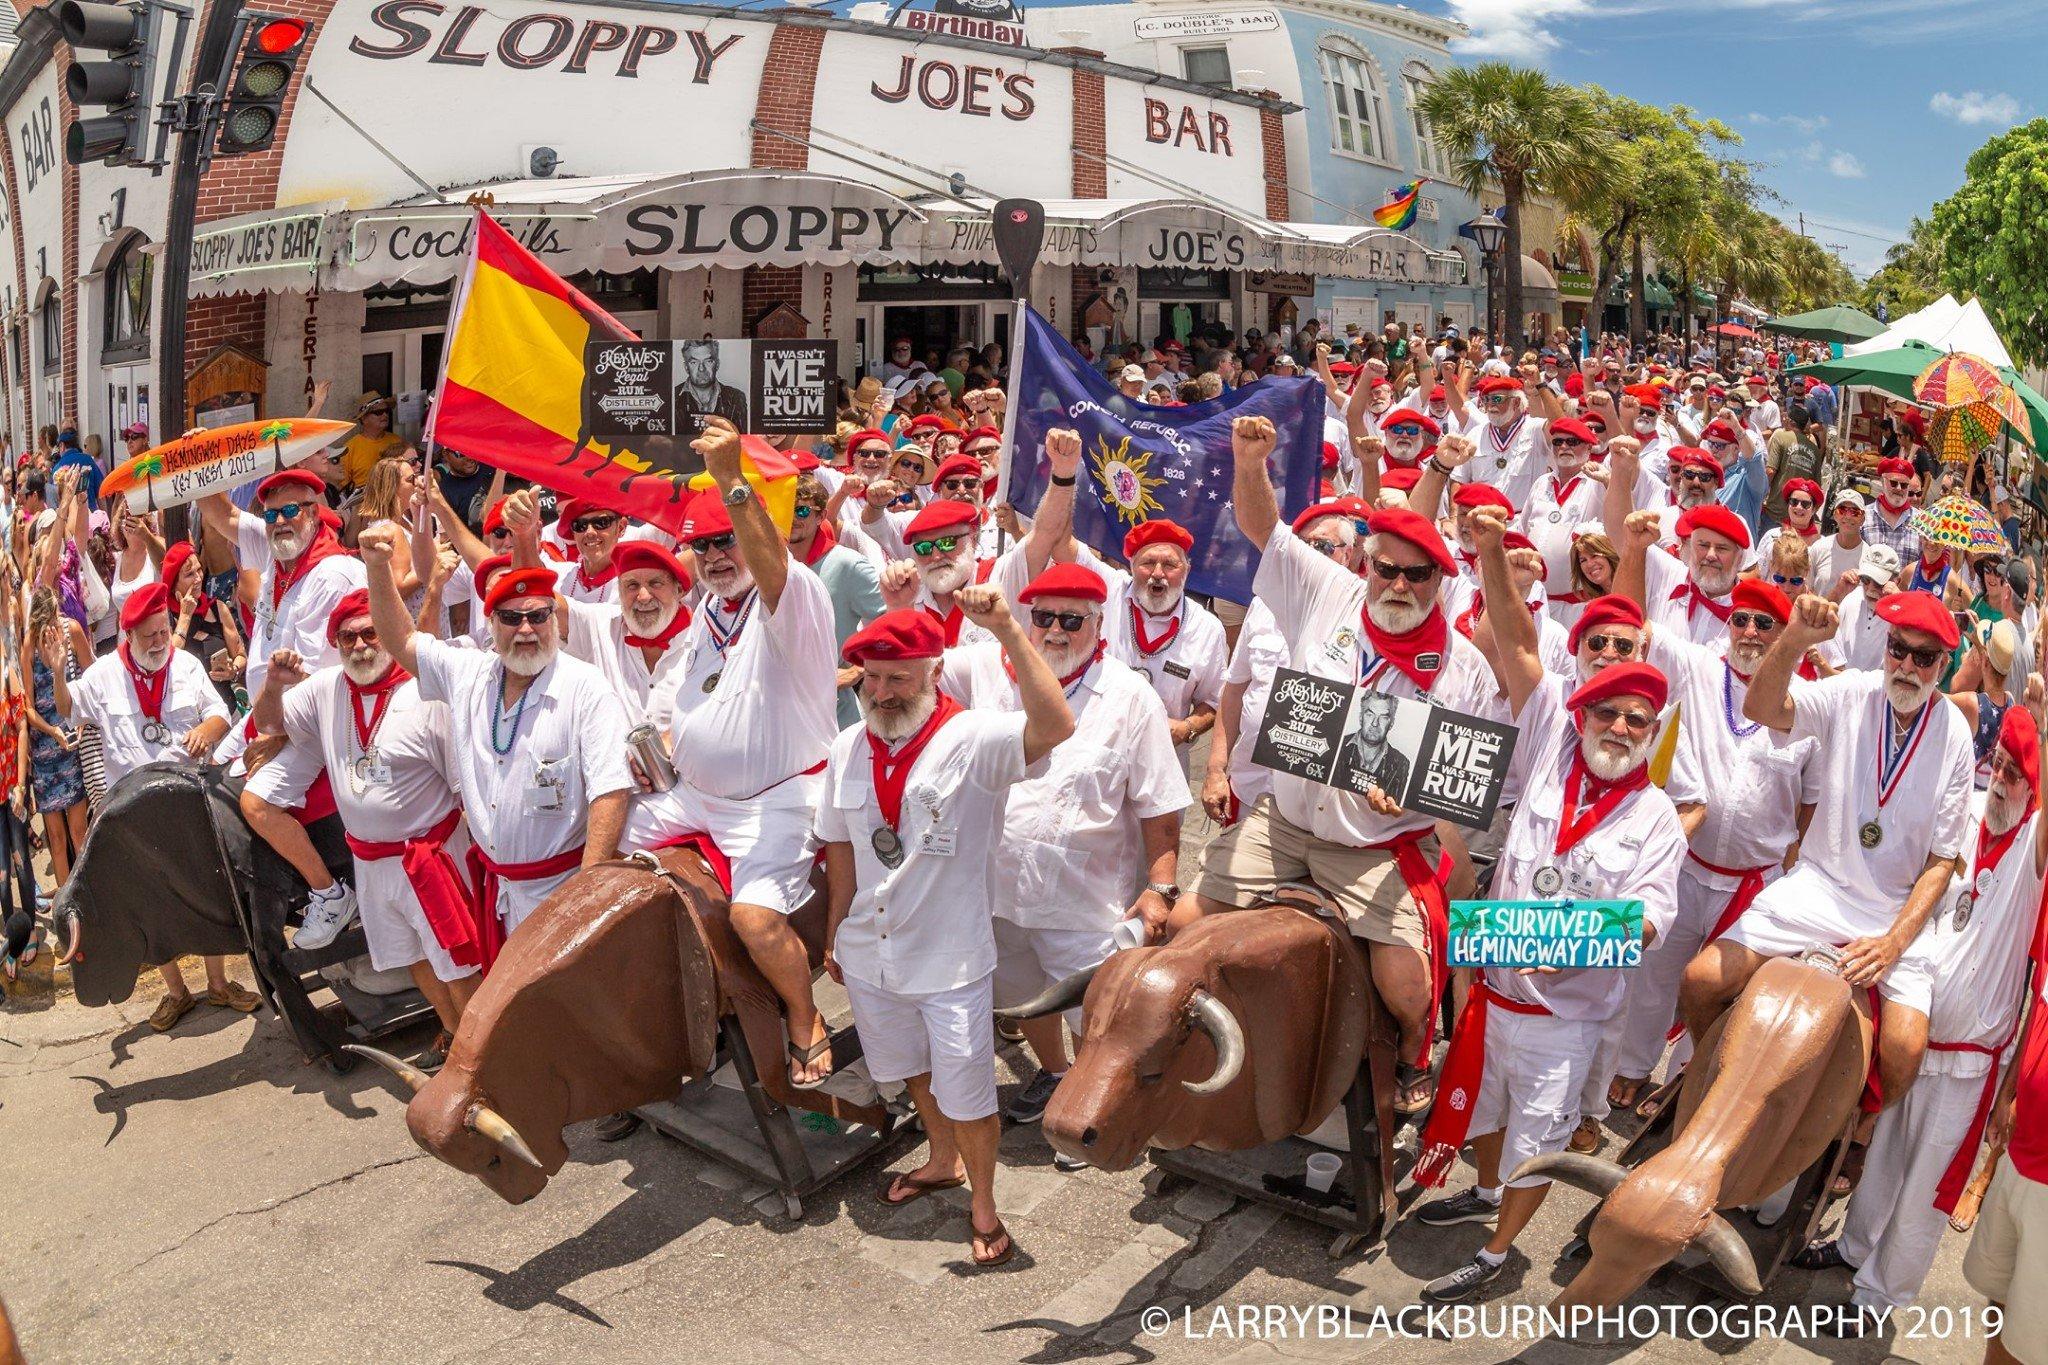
(918, 1188)
(980, 1241)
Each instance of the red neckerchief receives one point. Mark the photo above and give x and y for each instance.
(1803, 532)
(892, 770)
(1991, 848)
(1577, 823)
(1890, 508)
(676, 626)
(951, 621)
(281, 580)
(1561, 495)
(150, 688)
(1389, 462)
(821, 543)
(1066, 683)
(1689, 593)
(1418, 653)
(1148, 645)
(384, 689)
(588, 580)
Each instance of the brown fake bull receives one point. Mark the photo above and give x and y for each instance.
(1777, 1079)
(607, 998)
(1248, 1027)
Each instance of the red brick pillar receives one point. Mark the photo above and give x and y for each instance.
(1090, 176)
(784, 106)
(1273, 139)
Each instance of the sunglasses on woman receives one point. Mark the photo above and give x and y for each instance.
(1799, 504)
(596, 521)
(1070, 621)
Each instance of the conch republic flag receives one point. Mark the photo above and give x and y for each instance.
(1140, 463)
(511, 394)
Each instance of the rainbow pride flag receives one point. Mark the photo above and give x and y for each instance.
(1399, 210)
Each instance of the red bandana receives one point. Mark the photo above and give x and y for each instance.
(281, 580)
(1689, 593)
(821, 543)
(590, 580)
(1578, 822)
(676, 626)
(1418, 653)
(1150, 645)
(383, 690)
(150, 688)
(1803, 532)
(1469, 618)
(892, 770)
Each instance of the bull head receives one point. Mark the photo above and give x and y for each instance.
(477, 1118)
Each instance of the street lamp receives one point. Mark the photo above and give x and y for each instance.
(1489, 234)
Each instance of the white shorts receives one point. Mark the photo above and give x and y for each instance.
(767, 838)
(393, 921)
(947, 1035)
(1799, 911)
(1029, 960)
(1536, 1065)
(2008, 1260)
(517, 900)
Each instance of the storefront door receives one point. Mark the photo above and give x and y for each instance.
(126, 392)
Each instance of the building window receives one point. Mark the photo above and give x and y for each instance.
(1357, 110)
(50, 322)
(1206, 65)
(1415, 82)
(131, 288)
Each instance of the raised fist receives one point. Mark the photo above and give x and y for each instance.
(899, 584)
(1063, 450)
(983, 604)
(1454, 450)
(377, 543)
(1486, 526)
(1814, 619)
(1643, 529)
(289, 666)
(1252, 439)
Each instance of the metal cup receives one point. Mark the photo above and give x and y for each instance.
(650, 756)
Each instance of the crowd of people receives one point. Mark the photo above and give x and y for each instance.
(985, 730)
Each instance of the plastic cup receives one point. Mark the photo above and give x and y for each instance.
(1322, 1171)
(1128, 933)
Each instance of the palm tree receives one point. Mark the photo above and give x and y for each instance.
(1515, 128)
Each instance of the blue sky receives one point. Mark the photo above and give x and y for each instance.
(1861, 112)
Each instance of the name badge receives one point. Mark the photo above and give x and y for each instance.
(1175, 670)
(372, 770)
(938, 843)
(548, 790)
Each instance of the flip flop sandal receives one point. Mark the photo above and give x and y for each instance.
(1821, 1256)
(918, 1188)
(1409, 1078)
(804, 1057)
(1648, 1106)
(1633, 1084)
(979, 1241)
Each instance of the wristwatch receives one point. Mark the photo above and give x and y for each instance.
(1164, 890)
(739, 493)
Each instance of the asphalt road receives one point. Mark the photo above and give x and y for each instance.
(206, 1195)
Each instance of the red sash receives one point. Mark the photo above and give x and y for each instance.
(1959, 1167)
(1426, 886)
(487, 873)
(1457, 1090)
(445, 895)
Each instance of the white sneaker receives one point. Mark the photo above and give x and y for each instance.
(326, 916)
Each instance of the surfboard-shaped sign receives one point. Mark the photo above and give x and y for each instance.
(215, 461)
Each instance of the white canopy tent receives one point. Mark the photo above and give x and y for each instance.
(1945, 325)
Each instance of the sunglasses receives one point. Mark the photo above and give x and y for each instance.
(1791, 581)
(1847, 510)
(1622, 646)
(960, 485)
(1567, 442)
(283, 512)
(1404, 429)
(719, 542)
(1325, 547)
(1896, 485)
(514, 618)
(1922, 658)
(596, 521)
(1070, 621)
(1801, 503)
(943, 545)
(499, 531)
(1698, 476)
(805, 513)
(349, 639)
(1417, 574)
(1495, 400)
(1604, 715)
(982, 452)
(1760, 622)
(870, 452)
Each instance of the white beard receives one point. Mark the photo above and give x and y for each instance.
(896, 725)
(528, 662)
(1609, 766)
(1715, 586)
(1404, 448)
(1159, 600)
(1905, 695)
(286, 542)
(149, 661)
(730, 581)
(1565, 469)
(1646, 430)
(643, 624)
(948, 576)
(1691, 495)
(365, 666)
(2000, 813)
(1507, 417)
(1064, 659)
(1745, 655)
(1397, 618)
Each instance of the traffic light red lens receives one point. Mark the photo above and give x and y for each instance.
(281, 35)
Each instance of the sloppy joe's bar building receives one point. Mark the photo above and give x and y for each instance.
(699, 170)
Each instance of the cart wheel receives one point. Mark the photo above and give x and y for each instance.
(1574, 1250)
(1343, 1244)
(794, 1207)
(339, 1063)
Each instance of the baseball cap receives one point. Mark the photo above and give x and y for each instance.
(1132, 374)
(1849, 497)
(1284, 358)
(2019, 574)
(1880, 563)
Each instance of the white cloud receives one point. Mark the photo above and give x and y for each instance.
(1976, 106)
(1845, 165)
(1514, 30)
(1798, 123)
(1531, 30)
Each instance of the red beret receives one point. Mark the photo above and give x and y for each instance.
(1343, 367)
(1647, 395)
(1921, 611)
(494, 517)
(1712, 516)
(1066, 580)
(1421, 419)
(1315, 512)
(145, 602)
(2022, 742)
(1436, 393)
(1806, 486)
(648, 554)
(1406, 524)
(1757, 595)
(911, 633)
(496, 564)
(1594, 422)
(1329, 456)
(1356, 507)
(1481, 495)
(1572, 426)
(351, 605)
(940, 514)
(1158, 531)
(174, 560)
(284, 479)
(706, 515)
(330, 518)
(1759, 379)
(528, 582)
(1693, 456)
(1401, 480)
(1499, 383)
(1575, 385)
(926, 421)
(805, 459)
(1629, 679)
(1611, 610)
(1717, 430)
(981, 434)
(1515, 540)
(959, 467)
(862, 437)
(1896, 464)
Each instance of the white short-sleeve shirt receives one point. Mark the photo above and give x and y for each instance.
(104, 695)
(413, 740)
(597, 635)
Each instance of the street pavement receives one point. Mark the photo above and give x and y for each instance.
(207, 1195)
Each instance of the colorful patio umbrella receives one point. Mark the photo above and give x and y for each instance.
(1960, 524)
(1960, 379)
(1959, 434)
(1733, 329)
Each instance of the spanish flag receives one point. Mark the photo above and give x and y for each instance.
(1399, 210)
(511, 393)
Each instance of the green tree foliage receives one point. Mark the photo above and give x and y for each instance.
(1993, 234)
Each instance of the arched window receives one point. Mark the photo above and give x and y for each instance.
(1415, 82)
(50, 330)
(130, 295)
(1358, 115)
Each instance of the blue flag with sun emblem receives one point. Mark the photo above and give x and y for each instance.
(1141, 463)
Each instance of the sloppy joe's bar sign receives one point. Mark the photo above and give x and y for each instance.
(260, 251)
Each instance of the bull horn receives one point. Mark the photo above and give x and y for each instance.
(1730, 1254)
(1595, 1175)
(405, 1071)
(73, 940)
(1214, 1018)
(1059, 997)
(488, 1122)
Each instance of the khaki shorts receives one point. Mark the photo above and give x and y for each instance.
(2008, 1260)
(1262, 851)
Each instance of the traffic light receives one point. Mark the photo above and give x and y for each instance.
(271, 49)
(121, 84)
